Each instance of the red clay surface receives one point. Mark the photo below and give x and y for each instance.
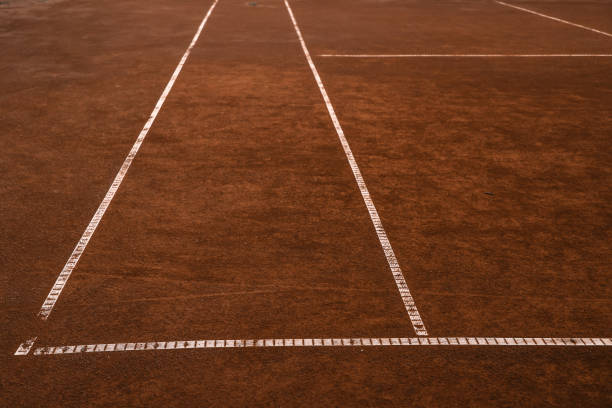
(434, 136)
(240, 217)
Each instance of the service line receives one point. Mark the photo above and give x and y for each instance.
(554, 18)
(64, 275)
(464, 55)
(326, 342)
(409, 304)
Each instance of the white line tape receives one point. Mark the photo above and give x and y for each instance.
(327, 342)
(25, 347)
(411, 308)
(64, 275)
(554, 18)
(464, 55)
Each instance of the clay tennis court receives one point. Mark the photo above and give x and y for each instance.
(306, 203)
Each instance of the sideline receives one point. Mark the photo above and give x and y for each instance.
(409, 304)
(554, 18)
(64, 275)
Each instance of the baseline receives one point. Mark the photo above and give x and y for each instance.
(464, 55)
(325, 342)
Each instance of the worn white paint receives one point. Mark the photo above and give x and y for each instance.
(328, 342)
(409, 304)
(465, 55)
(554, 18)
(64, 275)
(25, 347)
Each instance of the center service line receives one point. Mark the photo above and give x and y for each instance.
(411, 308)
(64, 275)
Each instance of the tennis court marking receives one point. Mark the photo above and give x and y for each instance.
(465, 55)
(324, 342)
(25, 347)
(413, 313)
(554, 18)
(64, 275)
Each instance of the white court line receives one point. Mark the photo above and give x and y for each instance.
(411, 308)
(25, 347)
(325, 342)
(554, 18)
(64, 275)
(464, 55)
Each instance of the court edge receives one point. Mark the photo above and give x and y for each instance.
(24, 349)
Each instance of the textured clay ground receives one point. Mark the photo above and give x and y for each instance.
(240, 217)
